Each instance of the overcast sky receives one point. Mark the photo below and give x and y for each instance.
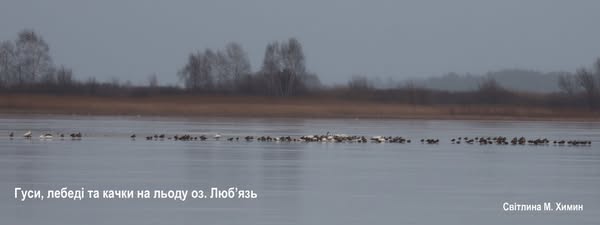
(130, 39)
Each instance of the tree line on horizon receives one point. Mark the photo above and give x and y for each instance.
(283, 72)
(27, 67)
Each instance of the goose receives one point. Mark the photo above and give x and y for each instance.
(11, 135)
(133, 136)
(76, 135)
(27, 134)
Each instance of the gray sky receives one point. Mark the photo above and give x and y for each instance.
(130, 39)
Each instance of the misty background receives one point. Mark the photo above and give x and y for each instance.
(384, 40)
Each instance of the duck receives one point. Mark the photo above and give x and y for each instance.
(133, 136)
(11, 135)
(432, 141)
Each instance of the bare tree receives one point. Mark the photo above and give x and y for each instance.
(292, 57)
(189, 74)
(588, 83)
(207, 70)
(64, 77)
(216, 70)
(32, 56)
(238, 62)
(7, 63)
(222, 72)
(567, 84)
(271, 68)
(284, 68)
(197, 73)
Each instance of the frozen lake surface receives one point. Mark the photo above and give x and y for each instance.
(298, 183)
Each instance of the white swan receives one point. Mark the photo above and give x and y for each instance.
(217, 136)
(46, 136)
(27, 134)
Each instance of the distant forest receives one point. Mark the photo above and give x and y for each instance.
(27, 67)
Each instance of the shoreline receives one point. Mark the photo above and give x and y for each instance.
(271, 107)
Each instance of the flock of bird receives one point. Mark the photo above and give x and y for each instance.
(29, 135)
(340, 138)
(500, 140)
(308, 138)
